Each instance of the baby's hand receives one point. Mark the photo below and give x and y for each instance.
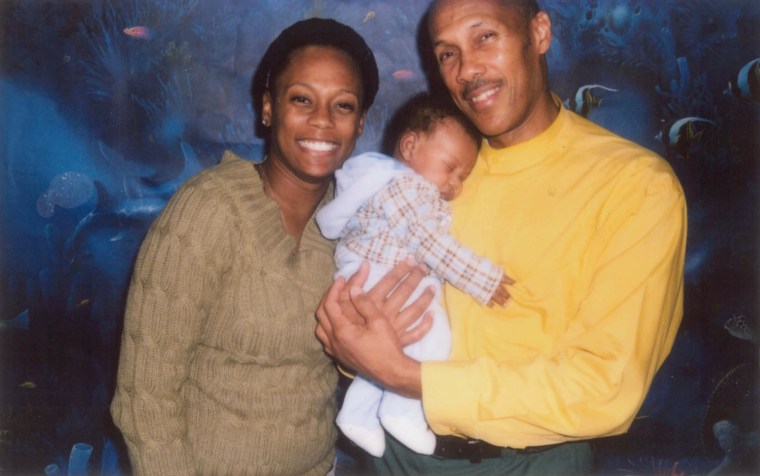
(501, 295)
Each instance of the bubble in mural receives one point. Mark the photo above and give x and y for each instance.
(66, 190)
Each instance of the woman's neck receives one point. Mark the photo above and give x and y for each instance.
(298, 200)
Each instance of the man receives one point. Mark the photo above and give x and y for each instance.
(591, 227)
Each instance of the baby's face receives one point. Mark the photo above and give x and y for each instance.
(445, 157)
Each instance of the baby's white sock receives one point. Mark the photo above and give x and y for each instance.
(370, 440)
(415, 437)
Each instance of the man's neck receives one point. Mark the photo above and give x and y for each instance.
(538, 119)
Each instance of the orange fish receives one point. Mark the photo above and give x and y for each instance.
(139, 32)
(403, 74)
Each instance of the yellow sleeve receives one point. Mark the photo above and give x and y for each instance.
(596, 378)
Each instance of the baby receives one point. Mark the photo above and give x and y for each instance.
(387, 209)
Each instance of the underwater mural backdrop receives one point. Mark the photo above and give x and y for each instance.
(107, 106)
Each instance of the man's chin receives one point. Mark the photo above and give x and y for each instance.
(486, 126)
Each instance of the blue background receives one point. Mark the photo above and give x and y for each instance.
(99, 126)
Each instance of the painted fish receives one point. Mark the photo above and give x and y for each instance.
(682, 133)
(746, 85)
(584, 100)
(739, 327)
(403, 74)
(139, 32)
(20, 322)
(369, 16)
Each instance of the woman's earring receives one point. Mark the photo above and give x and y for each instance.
(264, 122)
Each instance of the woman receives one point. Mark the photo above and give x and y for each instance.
(220, 372)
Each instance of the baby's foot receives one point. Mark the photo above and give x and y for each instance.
(370, 440)
(415, 437)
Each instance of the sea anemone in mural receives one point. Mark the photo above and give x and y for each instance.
(169, 112)
(124, 39)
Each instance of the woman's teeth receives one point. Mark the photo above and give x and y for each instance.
(317, 146)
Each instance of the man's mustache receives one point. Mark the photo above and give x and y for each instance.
(476, 83)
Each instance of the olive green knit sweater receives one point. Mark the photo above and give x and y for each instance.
(220, 372)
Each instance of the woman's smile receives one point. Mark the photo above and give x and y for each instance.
(317, 145)
(316, 112)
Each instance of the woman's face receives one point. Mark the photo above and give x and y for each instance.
(315, 112)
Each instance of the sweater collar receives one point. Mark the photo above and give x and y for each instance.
(263, 213)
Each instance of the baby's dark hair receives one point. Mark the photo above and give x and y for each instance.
(421, 113)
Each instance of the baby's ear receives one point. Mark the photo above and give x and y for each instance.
(406, 146)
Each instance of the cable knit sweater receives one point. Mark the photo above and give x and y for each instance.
(220, 371)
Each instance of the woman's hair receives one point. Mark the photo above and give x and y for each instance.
(320, 32)
(421, 113)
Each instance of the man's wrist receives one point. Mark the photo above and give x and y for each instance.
(406, 379)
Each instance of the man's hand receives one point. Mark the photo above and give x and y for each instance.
(367, 331)
(389, 294)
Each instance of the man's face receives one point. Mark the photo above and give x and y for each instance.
(491, 63)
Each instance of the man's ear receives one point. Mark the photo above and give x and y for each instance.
(541, 29)
(406, 146)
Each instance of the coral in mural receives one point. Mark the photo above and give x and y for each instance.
(606, 29)
(79, 461)
(731, 414)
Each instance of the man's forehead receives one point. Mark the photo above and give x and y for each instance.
(439, 5)
(443, 7)
(446, 11)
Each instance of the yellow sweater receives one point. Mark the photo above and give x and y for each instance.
(220, 372)
(593, 229)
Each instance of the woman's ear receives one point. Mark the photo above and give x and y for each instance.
(406, 147)
(360, 129)
(266, 109)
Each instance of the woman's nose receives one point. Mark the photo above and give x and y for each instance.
(321, 117)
